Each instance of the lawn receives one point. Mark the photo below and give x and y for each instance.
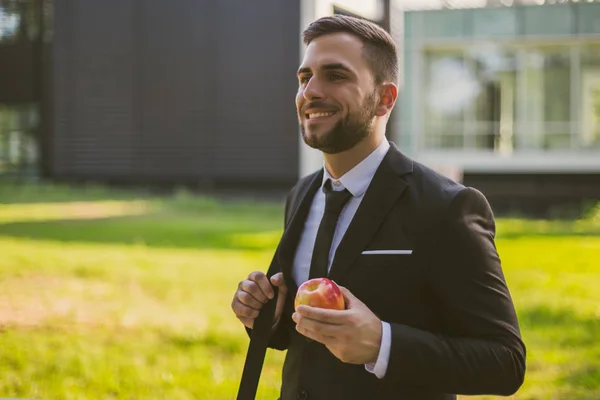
(109, 294)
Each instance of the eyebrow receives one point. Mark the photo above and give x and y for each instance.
(326, 67)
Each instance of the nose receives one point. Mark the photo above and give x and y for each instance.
(312, 90)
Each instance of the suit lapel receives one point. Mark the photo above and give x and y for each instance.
(384, 191)
(291, 236)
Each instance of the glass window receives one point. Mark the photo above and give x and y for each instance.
(450, 88)
(492, 118)
(547, 99)
(48, 20)
(590, 97)
(470, 99)
(10, 20)
(18, 139)
(19, 20)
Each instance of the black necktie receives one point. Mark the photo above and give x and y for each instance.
(334, 203)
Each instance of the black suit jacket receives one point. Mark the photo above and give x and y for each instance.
(454, 327)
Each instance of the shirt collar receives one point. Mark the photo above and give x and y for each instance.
(358, 179)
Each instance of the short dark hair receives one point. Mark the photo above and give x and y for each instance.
(379, 47)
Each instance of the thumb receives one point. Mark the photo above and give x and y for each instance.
(350, 300)
(277, 280)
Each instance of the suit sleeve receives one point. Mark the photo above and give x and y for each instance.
(478, 348)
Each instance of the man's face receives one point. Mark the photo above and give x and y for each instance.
(336, 97)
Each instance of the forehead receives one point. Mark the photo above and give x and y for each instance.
(341, 48)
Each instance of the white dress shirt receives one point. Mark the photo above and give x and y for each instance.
(357, 180)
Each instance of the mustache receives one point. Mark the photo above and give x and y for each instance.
(315, 104)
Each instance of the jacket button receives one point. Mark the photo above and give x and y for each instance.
(302, 395)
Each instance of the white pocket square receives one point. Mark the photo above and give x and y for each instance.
(387, 252)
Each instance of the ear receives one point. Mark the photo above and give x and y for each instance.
(388, 93)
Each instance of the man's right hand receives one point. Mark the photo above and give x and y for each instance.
(252, 294)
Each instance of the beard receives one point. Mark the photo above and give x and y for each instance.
(347, 132)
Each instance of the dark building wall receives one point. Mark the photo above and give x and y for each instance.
(538, 195)
(94, 78)
(257, 58)
(185, 91)
(16, 70)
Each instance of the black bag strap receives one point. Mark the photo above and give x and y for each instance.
(255, 358)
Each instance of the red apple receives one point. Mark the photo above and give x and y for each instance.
(320, 292)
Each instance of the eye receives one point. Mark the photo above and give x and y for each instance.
(304, 79)
(336, 77)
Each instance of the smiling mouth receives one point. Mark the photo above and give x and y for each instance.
(319, 115)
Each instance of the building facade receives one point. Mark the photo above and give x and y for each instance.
(191, 92)
(502, 95)
(508, 98)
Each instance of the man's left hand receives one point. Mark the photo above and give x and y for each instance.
(352, 335)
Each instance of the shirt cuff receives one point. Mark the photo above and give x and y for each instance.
(380, 366)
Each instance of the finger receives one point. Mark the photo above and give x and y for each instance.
(321, 328)
(262, 282)
(349, 298)
(317, 337)
(335, 317)
(248, 322)
(253, 289)
(277, 280)
(241, 310)
(248, 300)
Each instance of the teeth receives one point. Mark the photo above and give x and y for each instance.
(317, 115)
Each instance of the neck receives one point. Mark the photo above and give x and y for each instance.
(339, 164)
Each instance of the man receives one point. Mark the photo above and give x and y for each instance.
(428, 313)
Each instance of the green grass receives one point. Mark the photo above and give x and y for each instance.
(117, 295)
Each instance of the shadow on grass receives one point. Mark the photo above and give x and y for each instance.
(225, 344)
(162, 230)
(564, 331)
(27, 193)
(572, 330)
(519, 228)
(585, 381)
